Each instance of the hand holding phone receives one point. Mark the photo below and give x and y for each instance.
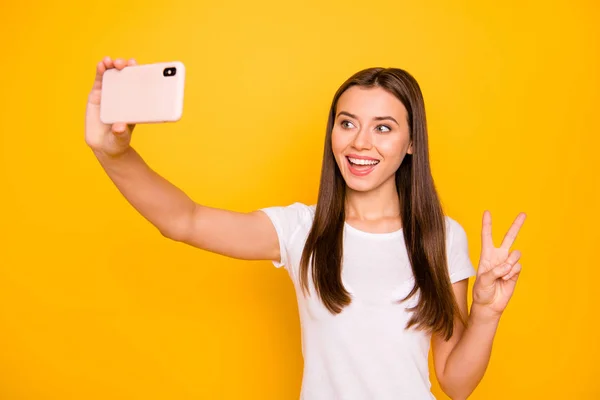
(150, 93)
(124, 94)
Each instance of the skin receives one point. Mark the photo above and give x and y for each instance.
(372, 205)
(372, 202)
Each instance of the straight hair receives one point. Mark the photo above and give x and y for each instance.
(421, 214)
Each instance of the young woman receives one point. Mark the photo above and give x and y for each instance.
(379, 271)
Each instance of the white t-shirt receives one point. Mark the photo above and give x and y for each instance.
(364, 352)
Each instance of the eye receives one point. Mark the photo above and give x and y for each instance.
(383, 128)
(347, 124)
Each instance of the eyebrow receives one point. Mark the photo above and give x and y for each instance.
(386, 117)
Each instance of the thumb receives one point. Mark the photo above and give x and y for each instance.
(121, 128)
(488, 278)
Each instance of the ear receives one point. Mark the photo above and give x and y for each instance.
(410, 149)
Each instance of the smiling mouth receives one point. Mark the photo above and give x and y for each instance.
(360, 167)
(359, 162)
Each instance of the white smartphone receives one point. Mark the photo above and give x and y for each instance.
(149, 93)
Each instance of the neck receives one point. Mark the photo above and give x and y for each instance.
(381, 202)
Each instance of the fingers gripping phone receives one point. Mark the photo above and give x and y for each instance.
(149, 93)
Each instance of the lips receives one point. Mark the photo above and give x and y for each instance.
(361, 165)
(361, 157)
(362, 161)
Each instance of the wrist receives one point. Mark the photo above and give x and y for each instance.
(482, 315)
(104, 156)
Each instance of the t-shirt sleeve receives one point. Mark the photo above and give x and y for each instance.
(288, 221)
(459, 262)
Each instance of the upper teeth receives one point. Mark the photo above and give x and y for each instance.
(362, 162)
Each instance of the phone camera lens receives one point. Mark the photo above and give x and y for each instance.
(170, 71)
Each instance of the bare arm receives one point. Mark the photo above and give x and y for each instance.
(460, 363)
(248, 236)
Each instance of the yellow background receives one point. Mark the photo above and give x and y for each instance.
(95, 304)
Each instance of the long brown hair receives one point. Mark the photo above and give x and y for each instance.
(421, 213)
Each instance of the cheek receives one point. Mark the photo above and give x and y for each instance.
(392, 150)
(338, 142)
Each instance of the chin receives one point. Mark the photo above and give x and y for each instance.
(361, 186)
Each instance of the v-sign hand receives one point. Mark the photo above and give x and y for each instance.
(498, 271)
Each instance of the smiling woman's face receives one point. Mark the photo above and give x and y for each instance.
(370, 137)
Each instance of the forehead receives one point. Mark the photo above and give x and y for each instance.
(371, 102)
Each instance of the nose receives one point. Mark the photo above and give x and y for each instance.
(362, 140)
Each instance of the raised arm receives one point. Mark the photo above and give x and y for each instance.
(460, 363)
(249, 236)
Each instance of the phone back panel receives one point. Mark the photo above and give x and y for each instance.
(143, 93)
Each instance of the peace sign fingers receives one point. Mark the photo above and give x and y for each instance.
(498, 267)
(511, 235)
(487, 243)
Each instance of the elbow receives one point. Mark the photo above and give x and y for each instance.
(456, 394)
(180, 228)
(455, 391)
(171, 234)
(178, 231)
(175, 233)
